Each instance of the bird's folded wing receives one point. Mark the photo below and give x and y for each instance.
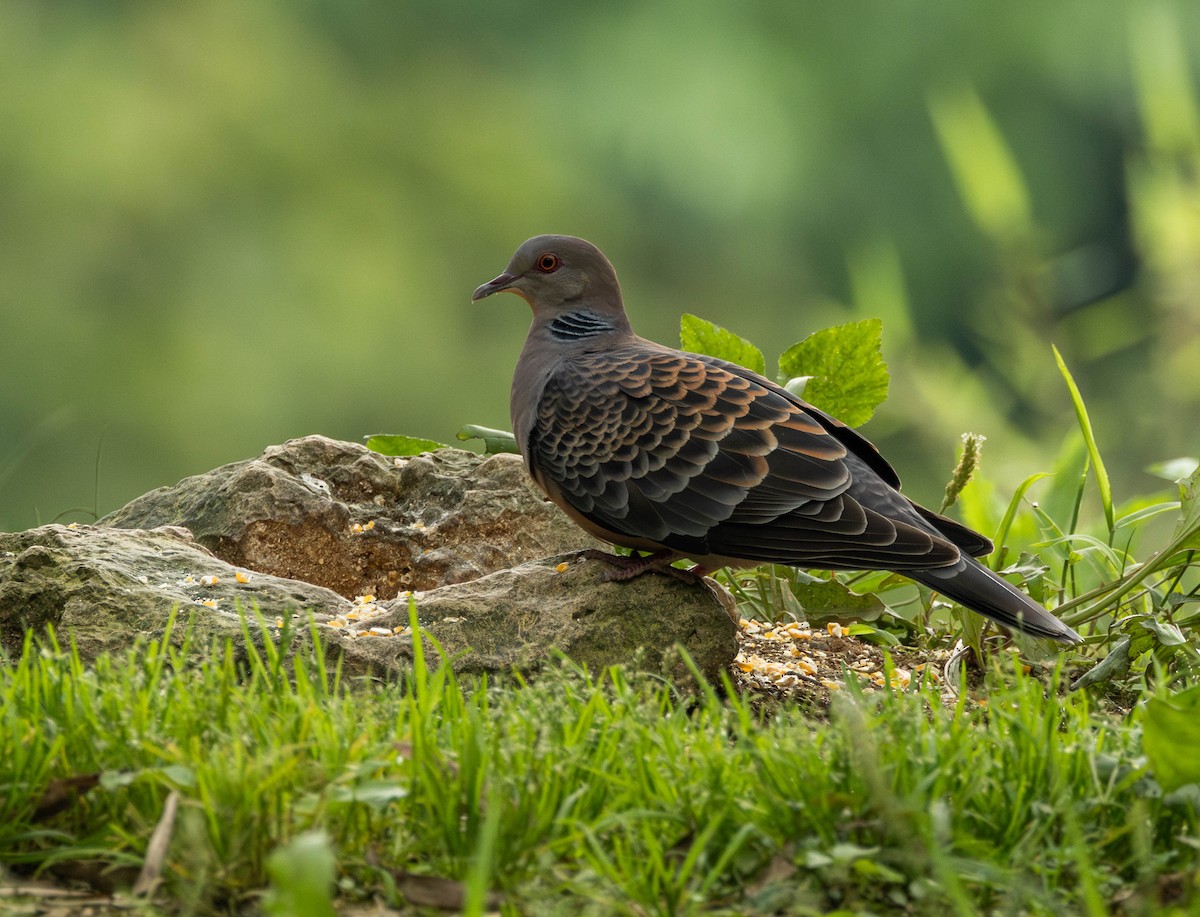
(710, 459)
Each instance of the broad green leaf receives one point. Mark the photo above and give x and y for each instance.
(1187, 533)
(699, 336)
(872, 634)
(1171, 738)
(1115, 665)
(1166, 633)
(397, 444)
(302, 872)
(848, 377)
(830, 600)
(494, 441)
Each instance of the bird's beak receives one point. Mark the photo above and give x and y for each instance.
(499, 285)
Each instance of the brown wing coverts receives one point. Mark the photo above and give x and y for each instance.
(708, 458)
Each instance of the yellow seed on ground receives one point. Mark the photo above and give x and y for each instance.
(352, 616)
(278, 622)
(831, 685)
(209, 603)
(835, 630)
(562, 567)
(241, 577)
(356, 528)
(209, 580)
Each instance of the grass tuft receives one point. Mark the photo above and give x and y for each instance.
(598, 793)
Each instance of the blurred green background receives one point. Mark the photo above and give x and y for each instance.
(224, 223)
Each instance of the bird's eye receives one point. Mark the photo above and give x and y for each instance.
(548, 263)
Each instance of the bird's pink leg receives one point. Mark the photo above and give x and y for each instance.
(625, 568)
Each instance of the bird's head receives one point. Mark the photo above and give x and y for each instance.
(556, 274)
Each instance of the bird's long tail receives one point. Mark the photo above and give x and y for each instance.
(975, 586)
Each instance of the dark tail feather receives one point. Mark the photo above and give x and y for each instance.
(981, 590)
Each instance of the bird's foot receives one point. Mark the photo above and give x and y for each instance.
(628, 567)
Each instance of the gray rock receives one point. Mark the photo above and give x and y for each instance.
(106, 587)
(337, 515)
(516, 619)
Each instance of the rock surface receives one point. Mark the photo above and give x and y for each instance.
(289, 536)
(338, 515)
(518, 618)
(105, 587)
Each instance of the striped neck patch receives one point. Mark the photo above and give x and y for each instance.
(574, 326)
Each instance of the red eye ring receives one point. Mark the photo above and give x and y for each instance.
(548, 263)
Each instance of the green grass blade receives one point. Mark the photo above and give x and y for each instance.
(1085, 425)
(1009, 514)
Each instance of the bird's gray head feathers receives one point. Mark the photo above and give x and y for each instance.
(569, 283)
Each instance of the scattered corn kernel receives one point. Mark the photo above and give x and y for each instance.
(241, 577)
(209, 580)
(73, 526)
(208, 603)
(835, 630)
(831, 685)
(562, 568)
(380, 631)
(279, 622)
